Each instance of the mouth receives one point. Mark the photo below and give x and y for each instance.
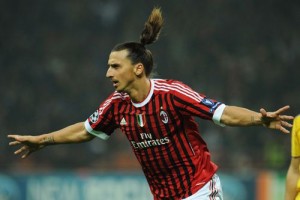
(115, 83)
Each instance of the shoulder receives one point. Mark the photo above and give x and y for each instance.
(118, 97)
(169, 85)
(175, 88)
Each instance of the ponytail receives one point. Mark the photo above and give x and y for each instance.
(152, 27)
(137, 51)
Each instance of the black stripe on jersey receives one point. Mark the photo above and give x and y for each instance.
(131, 120)
(153, 105)
(170, 103)
(118, 113)
(145, 161)
(124, 112)
(167, 99)
(107, 117)
(157, 164)
(206, 114)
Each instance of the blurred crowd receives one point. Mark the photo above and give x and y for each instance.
(53, 60)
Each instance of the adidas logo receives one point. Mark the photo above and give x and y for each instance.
(123, 121)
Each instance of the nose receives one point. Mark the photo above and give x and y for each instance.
(108, 73)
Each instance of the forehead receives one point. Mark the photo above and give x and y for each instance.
(118, 56)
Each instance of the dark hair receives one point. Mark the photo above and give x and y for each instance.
(137, 52)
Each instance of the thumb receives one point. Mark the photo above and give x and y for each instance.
(19, 138)
(263, 112)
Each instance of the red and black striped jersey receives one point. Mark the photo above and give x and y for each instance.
(163, 135)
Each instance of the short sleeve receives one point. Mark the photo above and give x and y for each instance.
(98, 134)
(101, 123)
(190, 102)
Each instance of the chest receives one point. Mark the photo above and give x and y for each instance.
(157, 119)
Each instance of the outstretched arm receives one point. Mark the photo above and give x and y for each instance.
(238, 116)
(75, 133)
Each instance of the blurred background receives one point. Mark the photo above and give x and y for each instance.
(53, 60)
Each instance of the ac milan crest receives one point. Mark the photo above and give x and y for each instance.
(164, 116)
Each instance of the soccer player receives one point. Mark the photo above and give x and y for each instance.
(292, 186)
(157, 116)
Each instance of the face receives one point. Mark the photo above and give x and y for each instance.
(121, 71)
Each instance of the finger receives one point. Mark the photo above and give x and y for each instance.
(286, 117)
(26, 154)
(23, 148)
(280, 110)
(263, 112)
(284, 130)
(281, 127)
(16, 137)
(286, 124)
(20, 138)
(12, 136)
(14, 143)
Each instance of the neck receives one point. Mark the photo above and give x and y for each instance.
(140, 91)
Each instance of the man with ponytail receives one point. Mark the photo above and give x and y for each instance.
(157, 117)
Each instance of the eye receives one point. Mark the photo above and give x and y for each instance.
(114, 66)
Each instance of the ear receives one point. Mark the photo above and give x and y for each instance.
(139, 69)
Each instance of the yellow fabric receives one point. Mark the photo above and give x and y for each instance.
(295, 145)
(296, 137)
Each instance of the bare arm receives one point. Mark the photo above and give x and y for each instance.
(238, 116)
(291, 179)
(75, 133)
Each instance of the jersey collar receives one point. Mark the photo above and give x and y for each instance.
(147, 99)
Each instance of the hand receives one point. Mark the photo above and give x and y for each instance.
(275, 120)
(30, 144)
